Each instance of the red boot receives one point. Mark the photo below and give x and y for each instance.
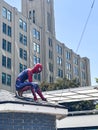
(41, 95)
(34, 94)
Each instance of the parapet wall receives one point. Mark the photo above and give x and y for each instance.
(27, 121)
(17, 114)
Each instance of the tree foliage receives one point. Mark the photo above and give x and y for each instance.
(63, 83)
(96, 80)
(80, 105)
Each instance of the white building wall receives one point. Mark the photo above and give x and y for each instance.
(78, 121)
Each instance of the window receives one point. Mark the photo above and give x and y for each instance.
(4, 28)
(76, 60)
(60, 73)
(22, 67)
(9, 47)
(6, 14)
(23, 25)
(30, 15)
(36, 34)
(4, 44)
(37, 77)
(50, 42)
(50, 54)
(59, 49)
(36, 59)
(68, 55)
(68, 66)
(6, 62)
(36, 47)
(3, 78)
(20, 23)
(59, 60)
(9, 15)
(3, 61)
(9, 63)
(8, 80)
(23, 54)
(33, 16)
(23, 39)
(9, 31)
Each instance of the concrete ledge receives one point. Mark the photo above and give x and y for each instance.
(9, 103)
(10, 107)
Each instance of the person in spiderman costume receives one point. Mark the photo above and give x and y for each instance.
(23, 85)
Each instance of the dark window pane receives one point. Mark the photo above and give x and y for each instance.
(8, 80)
(21, 53)
(25, 55)
(20, 37)
(9, 63)
(3, 78)
(20, 23)
(20, 67)
(9, 47)
(4, 28)
(4, 44)
(4, 12)
(9, 31)
(24, 40)
(4, 61)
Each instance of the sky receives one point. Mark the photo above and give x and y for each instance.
(76, 25)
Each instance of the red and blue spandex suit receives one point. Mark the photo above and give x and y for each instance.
(23, 85)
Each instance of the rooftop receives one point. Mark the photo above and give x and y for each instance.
(10, 103)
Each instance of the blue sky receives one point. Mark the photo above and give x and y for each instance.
(70, 19)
